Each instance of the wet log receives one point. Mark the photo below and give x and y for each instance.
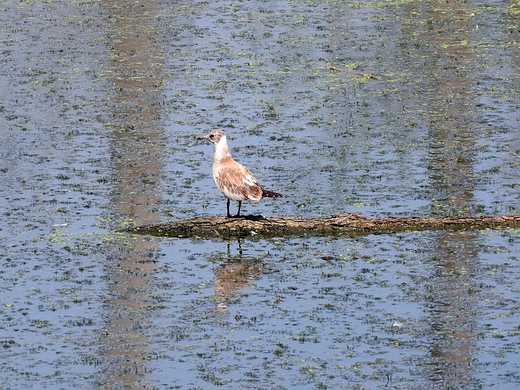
(353, 224)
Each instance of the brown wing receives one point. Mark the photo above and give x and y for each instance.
(236, 181)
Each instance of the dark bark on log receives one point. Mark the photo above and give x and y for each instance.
(336, 225)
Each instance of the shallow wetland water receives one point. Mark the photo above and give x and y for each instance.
(404, 108)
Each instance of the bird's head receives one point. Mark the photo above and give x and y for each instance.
(214, 136)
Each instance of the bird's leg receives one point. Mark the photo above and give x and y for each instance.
(228, 214)
(239, 205)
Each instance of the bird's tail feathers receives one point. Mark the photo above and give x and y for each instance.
(270, 194)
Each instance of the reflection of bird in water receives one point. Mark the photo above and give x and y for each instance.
(232, 277)
(234, 180)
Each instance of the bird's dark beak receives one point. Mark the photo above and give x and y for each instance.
(204, 137)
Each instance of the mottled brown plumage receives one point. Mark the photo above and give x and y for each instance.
(234, 180)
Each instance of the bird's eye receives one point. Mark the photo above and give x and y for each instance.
(212, 136)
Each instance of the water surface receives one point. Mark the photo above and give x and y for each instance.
(385, 108)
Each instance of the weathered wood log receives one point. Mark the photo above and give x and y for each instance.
(354, 224)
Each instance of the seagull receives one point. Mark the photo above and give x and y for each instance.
(234, 180)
